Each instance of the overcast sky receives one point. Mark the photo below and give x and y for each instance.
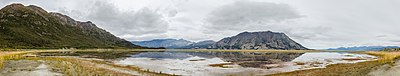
(313, 23)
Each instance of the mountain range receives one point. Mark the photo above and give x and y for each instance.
(207, 44)
(33, 27)
(245, 40)
(166, 43)
(363, 48)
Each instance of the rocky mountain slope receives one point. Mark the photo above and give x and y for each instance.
(32, 27)
(166, 43)
(259, 40)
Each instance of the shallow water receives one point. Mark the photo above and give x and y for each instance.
(222, 63)
(240, 63)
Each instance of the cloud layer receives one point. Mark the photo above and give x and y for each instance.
(128, 24)
(242, 15)
(313, 23)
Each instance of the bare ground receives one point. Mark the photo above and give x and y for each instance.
(27, 68)
(387, 70)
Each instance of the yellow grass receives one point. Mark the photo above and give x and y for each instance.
(355, 69)
(76, 66)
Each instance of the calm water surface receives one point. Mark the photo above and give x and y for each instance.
(223, 63)
(236, 63)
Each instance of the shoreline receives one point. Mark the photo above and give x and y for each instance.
(68, 64)
(338, 69)
(353, 69)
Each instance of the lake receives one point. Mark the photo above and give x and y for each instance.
(222, 63)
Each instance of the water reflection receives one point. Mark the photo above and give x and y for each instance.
(220, 63)
(237, 63)
(244, 59)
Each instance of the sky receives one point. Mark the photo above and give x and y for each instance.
(315, 24)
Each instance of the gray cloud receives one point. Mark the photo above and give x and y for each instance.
(239, 16)
(129, 24)
(242, 15)
(143, 21)
(313, 23)
(259, 16)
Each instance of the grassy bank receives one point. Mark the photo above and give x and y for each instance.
(72, 66)
(81, 67)
(356, 69)
(8, 56)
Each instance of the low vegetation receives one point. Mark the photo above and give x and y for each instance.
(392, 49)
(73, 66)
(356, 69)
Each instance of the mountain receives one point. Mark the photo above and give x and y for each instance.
(166, 43)
(207, 44)
(363, 48)
(32, 27)
(259, 40)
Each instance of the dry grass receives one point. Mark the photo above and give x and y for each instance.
(356, 69)
(77, 66)
(8, 56)
(219, 65)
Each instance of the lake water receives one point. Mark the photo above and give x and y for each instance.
(236, 63)
(221, 63)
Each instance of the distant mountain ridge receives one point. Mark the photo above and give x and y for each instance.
(166, 43)
(363, 48)
(259, 41)
(33, 27)
(247, 40)
(175, 44)
(206, 44)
